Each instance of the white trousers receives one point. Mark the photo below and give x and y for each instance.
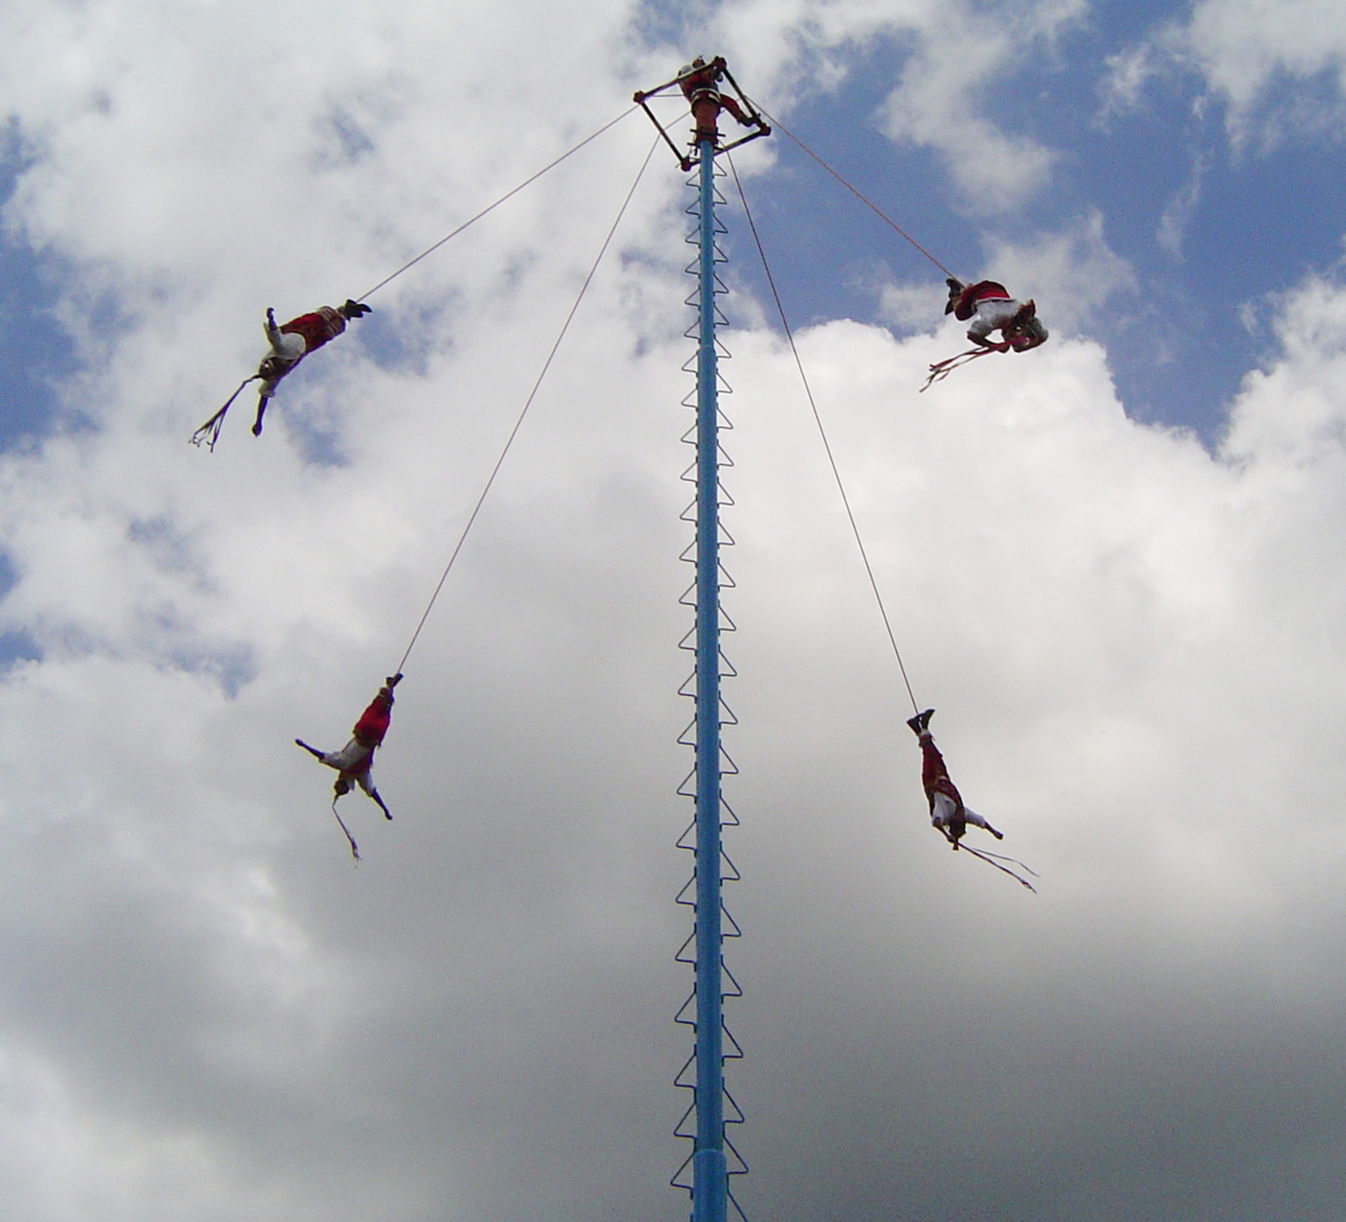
(941, 815)
(287, 350)
(349, 759)
(991, 316)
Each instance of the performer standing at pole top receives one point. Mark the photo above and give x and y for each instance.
(699, 82)
(709, 87)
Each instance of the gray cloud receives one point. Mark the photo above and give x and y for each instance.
(1131, 641)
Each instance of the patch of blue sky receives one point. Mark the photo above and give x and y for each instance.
(829, 252)
(405, 335)
(18, 647)
(35, 350)
(313, 435)
(657, 22)
(16, 644)
(1208, 230)
(231, 665)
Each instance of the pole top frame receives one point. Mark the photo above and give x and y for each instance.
(688, 160)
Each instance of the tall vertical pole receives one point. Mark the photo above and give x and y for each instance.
(709, 1165)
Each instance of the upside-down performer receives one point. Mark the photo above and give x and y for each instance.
(290, 343)
(948, 814)
(354, 761)
(987, 307)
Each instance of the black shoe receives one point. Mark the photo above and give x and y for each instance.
(921, 722)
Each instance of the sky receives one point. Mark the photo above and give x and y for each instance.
(1112, 565)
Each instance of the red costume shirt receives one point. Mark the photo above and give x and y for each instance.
(316, 328)
(984, 290)
(374, 721)
(935, 776)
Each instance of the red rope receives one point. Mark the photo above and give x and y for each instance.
(209, 433)
(941, 369)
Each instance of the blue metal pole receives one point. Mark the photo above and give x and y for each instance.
(709, 1167)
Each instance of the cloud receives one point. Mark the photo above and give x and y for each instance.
(1276, 85)
(1242, 50)
(1074, 267)
(1131, 641)
(1177, 215)
(1289, 412)
(1038, 542)
(1128, 73)
(942, 101)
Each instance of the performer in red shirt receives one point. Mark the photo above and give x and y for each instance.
(948, 815)
(699, 82)
(990, 308)
(291, 342)
(354, 760)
